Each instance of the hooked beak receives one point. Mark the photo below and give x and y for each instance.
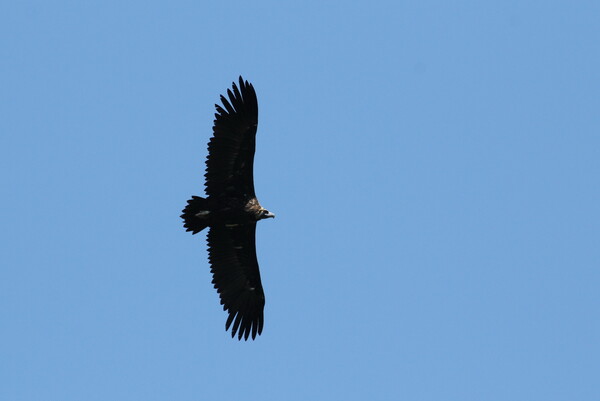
(269, 214)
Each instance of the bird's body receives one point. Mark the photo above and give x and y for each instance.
(231, 211)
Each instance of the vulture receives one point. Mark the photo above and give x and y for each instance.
(230, 211)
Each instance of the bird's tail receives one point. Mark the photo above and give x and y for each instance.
(196, 214)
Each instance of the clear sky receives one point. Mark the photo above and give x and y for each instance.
(433, 165)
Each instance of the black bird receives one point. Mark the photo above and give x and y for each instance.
(231, 211)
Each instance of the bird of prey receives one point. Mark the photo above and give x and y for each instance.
(231, 210)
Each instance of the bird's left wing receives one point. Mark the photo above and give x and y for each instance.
(232, 256)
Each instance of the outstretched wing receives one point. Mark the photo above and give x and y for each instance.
(232, 256)
(229, 166)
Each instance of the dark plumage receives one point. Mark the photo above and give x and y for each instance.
(231, 211)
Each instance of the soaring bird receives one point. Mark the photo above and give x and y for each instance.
(231, 210)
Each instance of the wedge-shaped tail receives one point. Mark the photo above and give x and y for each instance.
(196, 214)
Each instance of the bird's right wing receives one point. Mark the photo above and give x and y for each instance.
(230, 161)
(232, 256)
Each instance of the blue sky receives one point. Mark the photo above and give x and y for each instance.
(433, 166)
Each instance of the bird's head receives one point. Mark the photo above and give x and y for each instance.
(265, 214)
